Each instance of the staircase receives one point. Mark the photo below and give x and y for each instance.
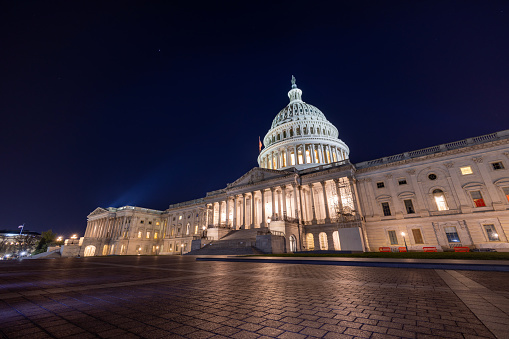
(241, 242)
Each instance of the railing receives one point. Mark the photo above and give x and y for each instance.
(278, 233)
(187, 203)
(216, 192)
(435, 149)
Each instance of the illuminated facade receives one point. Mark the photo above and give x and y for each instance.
(310, 197)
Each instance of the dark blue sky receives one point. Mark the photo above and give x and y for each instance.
(152, 103)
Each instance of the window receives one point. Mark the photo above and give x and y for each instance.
(409, 206)
(157, 223)
(440, 200)
(477, 198)
(292, 158)
(324, 246)
(466, 170)
(196, 229)
(497, 165)
(293, 243)
(380, 184)
(416, 232)
(310, 242)
(402, 182)
(491, 232)
(432, 176)
(139, 234)
(299, 157)
(386, 209)
(336, 241)
(142, 221)
(148, 234)
(188, 229)
(180, 217)
(392, 237)
(308, 156)
(171, 247)
(506, 192)
(150, 222)
(452, 234)
(155, 235)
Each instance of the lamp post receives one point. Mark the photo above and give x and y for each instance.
(204, 228)
(403, 234)
(182, 249)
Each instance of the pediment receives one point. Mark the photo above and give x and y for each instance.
(98, 210)
(258, 174)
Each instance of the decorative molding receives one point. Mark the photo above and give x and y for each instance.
(477, 160)
(449, 164)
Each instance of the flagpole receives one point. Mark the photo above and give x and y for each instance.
(22, 226)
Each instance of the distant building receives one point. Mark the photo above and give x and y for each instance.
(13, 243)
(310, 197)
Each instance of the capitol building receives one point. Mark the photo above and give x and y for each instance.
(307, 196)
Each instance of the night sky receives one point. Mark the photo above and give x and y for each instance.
(147, 103)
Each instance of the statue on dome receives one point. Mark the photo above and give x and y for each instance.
(293, 81)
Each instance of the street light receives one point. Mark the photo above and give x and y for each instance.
(403, 234)
(182, 249)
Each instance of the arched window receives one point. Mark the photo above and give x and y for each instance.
(323, 241)
(187, 228)
(291, 132)
(311, 242)
(278, 137)
(89, 251)
(284, 134)
(305, 130)
(439, 197)
(335, 238)
(298, 130)
(293, 244)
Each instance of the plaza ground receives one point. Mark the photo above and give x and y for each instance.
(174, 297)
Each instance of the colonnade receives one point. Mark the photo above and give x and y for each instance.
(314, 203)
(107, 226)
(302, 154)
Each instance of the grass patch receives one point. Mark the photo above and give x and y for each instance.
(407, 255)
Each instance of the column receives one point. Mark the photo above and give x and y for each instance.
(227, 211)
(244, 210)
(312, 203)
(326, 203)
(288, 160)
(304, 154)
(219, 214)
(273, 201)
(283, 189)
(263, 224)
(296, 215)
(234, 212)
(300, 198)
(324, 161)
(279, 208)
(339, 212)
(253, 209)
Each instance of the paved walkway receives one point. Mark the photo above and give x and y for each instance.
(178, 297)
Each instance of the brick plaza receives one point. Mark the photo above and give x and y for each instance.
(178, 297)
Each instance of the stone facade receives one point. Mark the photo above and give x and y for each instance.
(443, 196)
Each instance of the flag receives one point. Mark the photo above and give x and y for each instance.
(259, 144)
(20, 226)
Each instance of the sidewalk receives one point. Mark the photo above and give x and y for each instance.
(441, 264)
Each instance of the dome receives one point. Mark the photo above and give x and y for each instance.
(300, 136)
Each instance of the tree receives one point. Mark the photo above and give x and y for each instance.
(47, 238)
